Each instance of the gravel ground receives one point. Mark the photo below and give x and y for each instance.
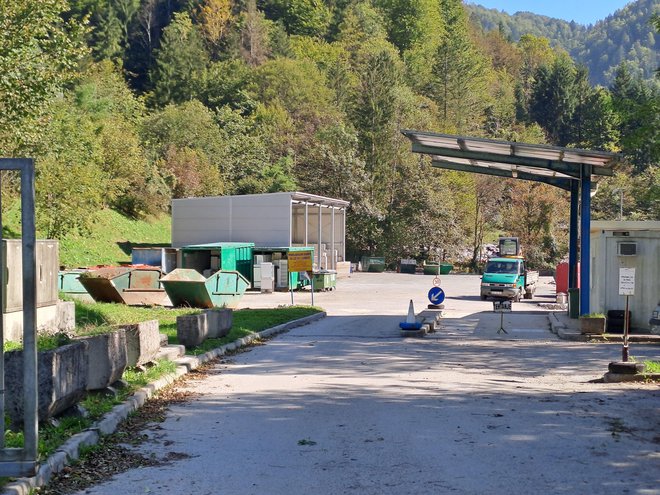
(344, 405)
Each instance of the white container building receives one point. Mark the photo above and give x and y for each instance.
(284, 219)
(625, 244)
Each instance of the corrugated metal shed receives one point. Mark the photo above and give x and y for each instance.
(289, 219)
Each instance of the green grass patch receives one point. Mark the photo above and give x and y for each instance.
(44, 342)
(112, 238)
(94, 317)
(652, 366)
(90, 316)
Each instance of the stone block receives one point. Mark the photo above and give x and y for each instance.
(62, 380)
(66, 316)
(192, 330)
(142, 342)
(106, 354)
(219, 321)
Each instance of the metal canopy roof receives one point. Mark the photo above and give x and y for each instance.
(549, 164)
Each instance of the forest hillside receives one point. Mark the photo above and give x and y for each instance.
(626, 36)
(126, 104)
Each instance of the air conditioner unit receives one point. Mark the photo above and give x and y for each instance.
(626, 249)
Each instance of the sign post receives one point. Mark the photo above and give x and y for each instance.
(300, 261)
(502, 307)
(626, 288)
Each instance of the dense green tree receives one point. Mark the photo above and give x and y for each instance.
(535, 52)
(180, 61)
(554, 99)
(410, 22)
(38, 54)
(459, 85)
(306, 17)
(134, 186)
(637, 104)
(71, 185)
(245, 151)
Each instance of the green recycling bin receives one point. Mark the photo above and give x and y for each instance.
(574, 303)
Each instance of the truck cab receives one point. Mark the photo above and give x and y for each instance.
(503, 278)
(507, 277)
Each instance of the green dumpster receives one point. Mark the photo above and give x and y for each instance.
(187, 287)
(69, 284)
(225, 256)
(407, 266)
(431, 268)
(125, 285)
(373, 264)
(574, 303)
(324, 280)
(445, 268)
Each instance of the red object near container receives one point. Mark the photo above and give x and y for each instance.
(561, 278)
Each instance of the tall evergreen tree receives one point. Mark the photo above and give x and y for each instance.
(637, 104)
(179, 62)
(554, 99)
(459, 84)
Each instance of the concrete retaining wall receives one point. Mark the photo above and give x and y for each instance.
(62, 380)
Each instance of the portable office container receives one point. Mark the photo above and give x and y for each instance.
(625, 244)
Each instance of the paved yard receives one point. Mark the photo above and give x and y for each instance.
(344, 405)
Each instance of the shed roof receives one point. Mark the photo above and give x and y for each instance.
(549, 164)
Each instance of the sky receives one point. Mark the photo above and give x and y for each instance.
(580, 11)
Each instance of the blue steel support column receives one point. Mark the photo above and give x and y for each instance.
(573, 235)
(585, 252)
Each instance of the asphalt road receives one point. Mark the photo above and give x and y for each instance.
(346, 406)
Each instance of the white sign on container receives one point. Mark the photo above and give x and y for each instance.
(626, 281)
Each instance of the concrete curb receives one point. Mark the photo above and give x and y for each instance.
(70, 450)
(564, 332)
(610, 377)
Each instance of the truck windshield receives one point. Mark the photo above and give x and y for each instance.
(502, 267)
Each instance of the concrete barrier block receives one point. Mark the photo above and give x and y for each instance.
(192, 330)
(66, 315)
(62, 380)
(219, 322)
(142, 342)
(106, 355)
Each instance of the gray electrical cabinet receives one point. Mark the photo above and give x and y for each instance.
(47, 272)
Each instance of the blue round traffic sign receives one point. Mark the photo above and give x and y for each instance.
(436, 295)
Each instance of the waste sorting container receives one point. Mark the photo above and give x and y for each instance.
(187, 287)
(445, 268)
(431, 268)
(616, 320)
(373, 264)
(324, 280)
(125, 284)
(407, 265)
(574, 303)
(69, 284)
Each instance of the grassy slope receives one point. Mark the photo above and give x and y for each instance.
(111, 239)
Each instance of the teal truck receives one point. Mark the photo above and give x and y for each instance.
(508, 278)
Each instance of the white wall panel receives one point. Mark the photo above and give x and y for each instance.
(606, 263)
